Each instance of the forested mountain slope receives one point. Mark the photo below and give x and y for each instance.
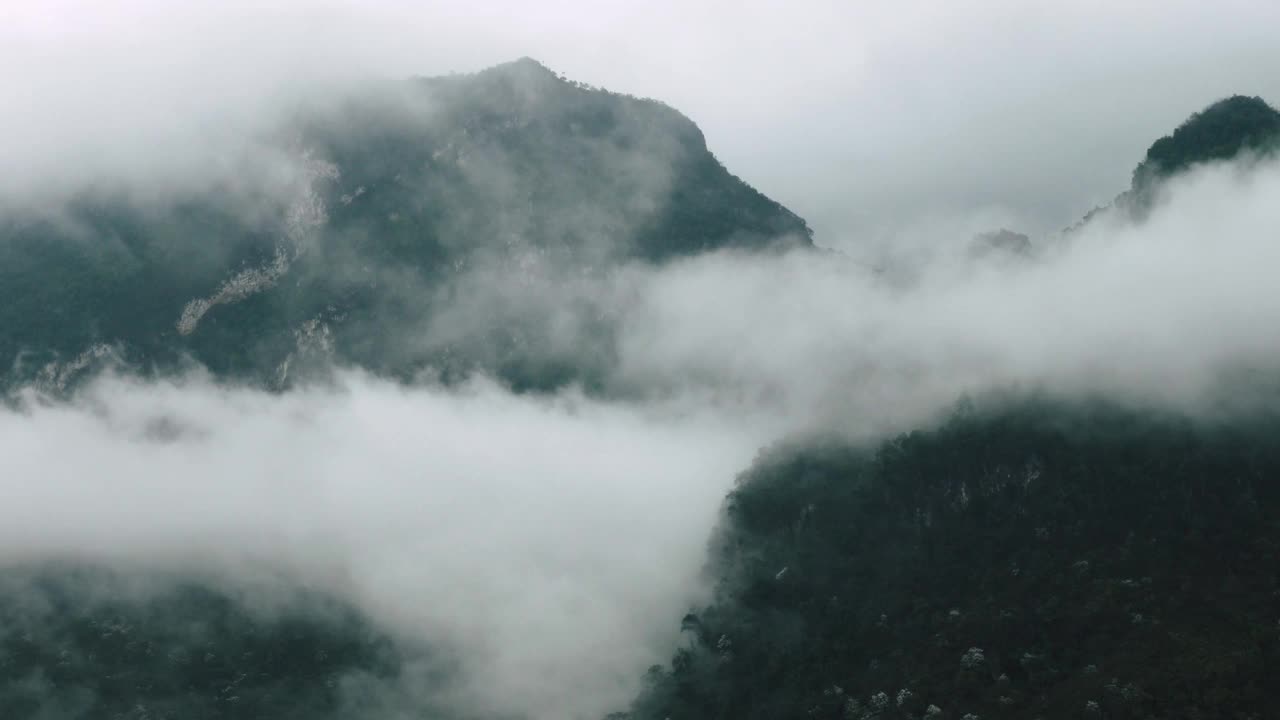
(86, 642)
(1041, 560)
(422, 225)
(399, 199)
(1038, 558)
(1236, 127)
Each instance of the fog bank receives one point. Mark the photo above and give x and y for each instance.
(545, 544)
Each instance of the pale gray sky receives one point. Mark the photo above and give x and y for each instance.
(855, 114)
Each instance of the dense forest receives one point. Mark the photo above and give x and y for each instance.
(81, 641)
(1039, 558)
(407, 198)
(1223, 130)
(1234, 128)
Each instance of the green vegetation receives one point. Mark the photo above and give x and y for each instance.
(84, 643)
(1219, 132)
(426, 189)
(1041, 560)
(1225, 130)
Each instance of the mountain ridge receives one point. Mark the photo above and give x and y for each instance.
(1028, 556)
(1225, 129)
(402, 192)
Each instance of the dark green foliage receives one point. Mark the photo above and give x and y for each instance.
(1092, 554)
(1219, 132)
(1225, 130)
(445, 184)
(103, 272)
(83, 643)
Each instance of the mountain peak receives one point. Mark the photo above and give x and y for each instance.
(526, 61)
(1226, 129)
(510, 170)
(525, 65)
(1218, 132)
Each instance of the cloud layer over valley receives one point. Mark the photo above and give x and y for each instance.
(541, 543)
(547, 540)
(265, 188)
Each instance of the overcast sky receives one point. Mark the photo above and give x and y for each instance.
(855, 114)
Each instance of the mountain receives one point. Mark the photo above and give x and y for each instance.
(1225, 130)
(1030, 557)
(440, 223)
(1228, 129)
(400, 197)
(1042, 560)
(1221, 131)
(83, 642)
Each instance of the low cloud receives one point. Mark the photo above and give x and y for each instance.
(545, 543)
(1172, 312)
(551, 542)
